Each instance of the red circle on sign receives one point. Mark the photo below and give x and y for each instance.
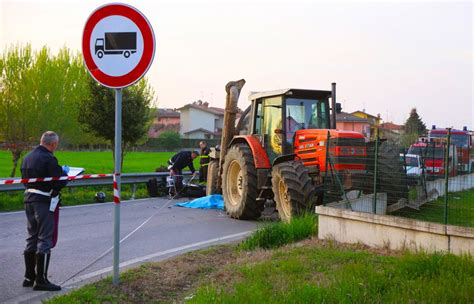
(148, 45)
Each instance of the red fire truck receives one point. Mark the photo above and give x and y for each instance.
(433, 157)
(462, 139)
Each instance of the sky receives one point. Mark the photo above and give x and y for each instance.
(386, 57)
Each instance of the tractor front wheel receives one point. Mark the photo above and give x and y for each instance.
(239, 184)
(293, 189)
(212, 177)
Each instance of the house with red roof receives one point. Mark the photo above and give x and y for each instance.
(349, 122)
(390, 126)
(164, 120)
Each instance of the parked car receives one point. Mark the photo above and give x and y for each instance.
(413, 167)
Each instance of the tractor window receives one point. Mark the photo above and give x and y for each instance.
(304, 114)
(258, 119)
(272, 127)
(319, 116)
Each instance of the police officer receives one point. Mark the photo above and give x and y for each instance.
(38, 196)
(178, 162)
(203, 161)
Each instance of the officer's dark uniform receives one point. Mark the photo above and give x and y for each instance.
(39, 163)
(177, 163)
(204, 162)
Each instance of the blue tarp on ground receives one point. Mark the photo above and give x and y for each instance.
(214, 201)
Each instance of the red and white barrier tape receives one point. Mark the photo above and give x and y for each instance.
(49, 179)
(116, 190)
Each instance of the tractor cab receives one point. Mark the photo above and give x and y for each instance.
(277, 115)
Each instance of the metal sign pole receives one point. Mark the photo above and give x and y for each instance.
(97, 28)
(118, 163)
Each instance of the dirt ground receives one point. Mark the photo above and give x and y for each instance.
(173, 280)
(170, 280)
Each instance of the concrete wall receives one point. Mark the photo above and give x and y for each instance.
(455, 184)
(392, 232)
(219, 122)
(362, 203)
(184, 123)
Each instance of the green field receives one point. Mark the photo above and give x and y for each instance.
(460, 204)
(99, 162)
(460, 210)
(93, 162)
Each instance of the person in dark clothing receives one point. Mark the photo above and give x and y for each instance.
(177, 163)
(203, 161)
(39, 200)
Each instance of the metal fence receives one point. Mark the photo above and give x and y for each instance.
(429, 180)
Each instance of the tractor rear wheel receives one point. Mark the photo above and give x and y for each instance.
(293, 189)
(212, 177)
(239, 184)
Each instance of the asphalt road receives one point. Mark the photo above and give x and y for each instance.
(87, 231)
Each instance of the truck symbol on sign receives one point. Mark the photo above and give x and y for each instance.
(116, 43)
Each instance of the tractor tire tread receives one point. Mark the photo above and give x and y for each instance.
(249, 208)
(300, 189)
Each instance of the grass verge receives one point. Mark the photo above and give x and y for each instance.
(93, 162)
(311, 271)
(276, 234)
(331, 274)
(13, 201)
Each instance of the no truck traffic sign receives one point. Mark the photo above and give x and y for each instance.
(118, 45)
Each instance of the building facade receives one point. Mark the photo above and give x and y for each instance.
(374, 121)
(348, 122)
(164, 120)
(200, 121)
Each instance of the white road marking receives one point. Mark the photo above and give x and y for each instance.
(158, 254)
(75, 282)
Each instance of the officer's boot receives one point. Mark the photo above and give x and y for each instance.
(30, 263)
(42, 265)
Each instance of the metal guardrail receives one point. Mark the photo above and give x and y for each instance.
(127, 178)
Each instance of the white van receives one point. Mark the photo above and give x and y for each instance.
(413, 165)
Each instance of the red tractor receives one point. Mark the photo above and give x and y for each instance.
(278, 151)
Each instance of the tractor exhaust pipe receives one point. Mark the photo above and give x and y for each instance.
(333, 105)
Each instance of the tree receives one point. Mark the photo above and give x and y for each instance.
(169, 140)
(414, 128)
(38, 92)
(15, 118)
(70, 71)
(414, 124)
(97, 112)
